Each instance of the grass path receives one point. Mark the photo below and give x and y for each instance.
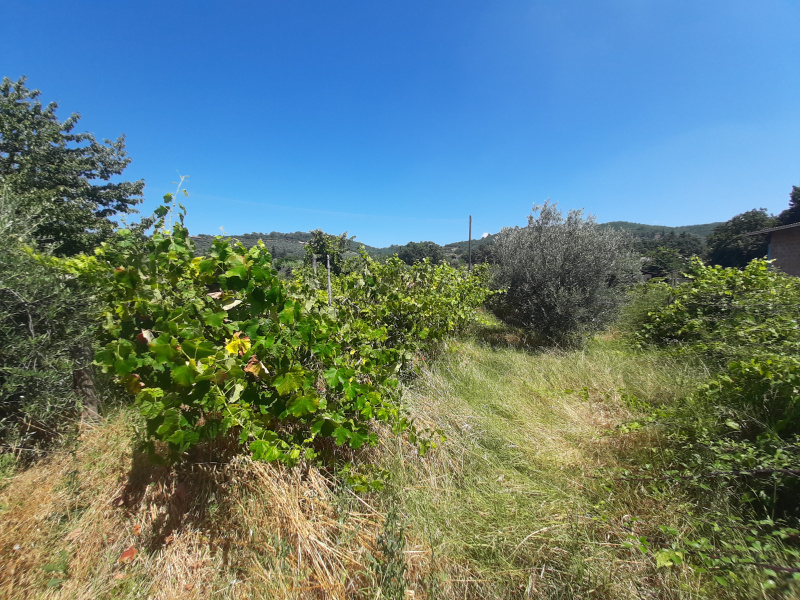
(509, 500)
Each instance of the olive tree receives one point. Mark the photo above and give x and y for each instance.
(564, 277)
(47, 322)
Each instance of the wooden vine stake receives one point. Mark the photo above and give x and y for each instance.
(469, 245)
(328, 257)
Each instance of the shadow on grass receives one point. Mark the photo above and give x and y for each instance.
(498, 335)
(192, 494)
(201, 491)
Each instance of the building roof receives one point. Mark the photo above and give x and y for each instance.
(771, 229)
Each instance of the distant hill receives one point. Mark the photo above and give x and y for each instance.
(461, 247)
(288, 245)
(280, 245)
(292, 245)
(654, 231)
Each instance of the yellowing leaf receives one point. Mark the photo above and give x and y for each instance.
(239, 344)
(289, 382)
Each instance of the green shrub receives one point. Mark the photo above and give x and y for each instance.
(727, 313)
(219, 343)
(563, 277)
(758, 395)
(46, 333)
(743, 323)
(643, 299)
(323, 246)
(735, 439)
(415, 305)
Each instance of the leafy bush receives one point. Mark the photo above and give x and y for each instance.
(415, 305)
(727, 313)
(563, 277)
(744, 322)
(758, 395)
(322, 244)
(737, 436)
(643, 299)
(219, 343)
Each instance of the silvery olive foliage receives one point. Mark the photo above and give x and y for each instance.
(564, 277)
(46, 334)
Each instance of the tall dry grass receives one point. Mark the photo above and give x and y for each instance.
(218, 526)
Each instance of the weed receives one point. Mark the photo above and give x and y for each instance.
(390, 567)
(57, 569)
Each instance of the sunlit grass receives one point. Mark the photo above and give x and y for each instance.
(514, 504)
(509, 501)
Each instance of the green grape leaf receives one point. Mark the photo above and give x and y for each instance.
(289, 382)
(303, 405)
(264, 450)
(341, 435)
(213, 319)
(183, 375)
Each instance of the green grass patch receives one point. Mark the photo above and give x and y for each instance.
(518, 502)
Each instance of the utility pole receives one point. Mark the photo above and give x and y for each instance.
(469, 244)
(328, 257)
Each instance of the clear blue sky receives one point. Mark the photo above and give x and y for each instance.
(396, 120)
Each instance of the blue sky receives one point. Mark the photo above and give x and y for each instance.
(397, 120)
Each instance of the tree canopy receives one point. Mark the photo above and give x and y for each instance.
(322, 244)
(61, 179)
(685, 244)
(729, 247)
(563, 277)
(664, 261)
(417, 251)
(792, 214)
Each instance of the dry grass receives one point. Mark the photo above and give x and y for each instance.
(506, 508)
(227, 529)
